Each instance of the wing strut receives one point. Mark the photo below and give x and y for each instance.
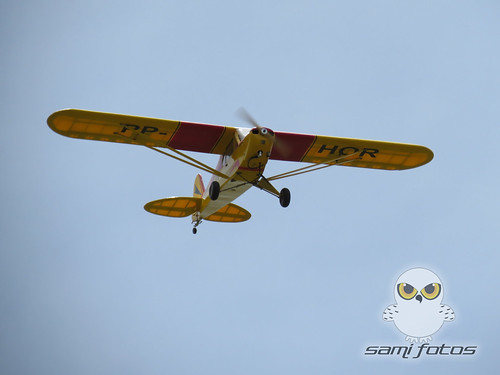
(314, 167)
(187, 159)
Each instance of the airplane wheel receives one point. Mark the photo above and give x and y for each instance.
(285, 197)
(195, 230)
(214, 191)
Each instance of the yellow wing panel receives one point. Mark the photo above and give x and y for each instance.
(112, 127)
(174, 207)
(367, 153)
(230, 213)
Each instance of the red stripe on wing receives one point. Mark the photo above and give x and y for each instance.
(196, 137)
(291, 146)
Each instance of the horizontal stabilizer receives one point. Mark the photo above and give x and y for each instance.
(230, 213)
(174, 207)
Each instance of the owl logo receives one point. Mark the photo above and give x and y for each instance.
(418, 312)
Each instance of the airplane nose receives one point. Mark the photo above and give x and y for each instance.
(419, 298)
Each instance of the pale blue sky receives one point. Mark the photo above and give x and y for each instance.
(90, 283)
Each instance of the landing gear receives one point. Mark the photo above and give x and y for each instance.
(285, 197)
(196, 221)
(214, 191)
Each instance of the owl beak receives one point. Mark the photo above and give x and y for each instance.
(419, 298)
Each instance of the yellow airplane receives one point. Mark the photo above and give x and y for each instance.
(244, 153)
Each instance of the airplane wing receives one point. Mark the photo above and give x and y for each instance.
(188, 136)
(349, 152)
(110, 127)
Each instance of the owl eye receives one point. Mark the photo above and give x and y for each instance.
(431, 291)
(406, 291)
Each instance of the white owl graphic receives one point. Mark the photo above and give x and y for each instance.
(418, 312)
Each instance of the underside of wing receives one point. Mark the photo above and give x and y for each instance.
(174, 207)
(349, 152)
(147, 131)
(215, 139)
(230, 213)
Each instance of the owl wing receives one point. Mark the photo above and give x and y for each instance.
(447, 313)
(390, 312)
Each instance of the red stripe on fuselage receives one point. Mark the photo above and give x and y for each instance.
(196, 137)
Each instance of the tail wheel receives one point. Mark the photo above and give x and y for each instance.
(214, 191)
(285, 197)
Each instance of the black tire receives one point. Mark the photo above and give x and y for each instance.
(285, 197)
(214, 191)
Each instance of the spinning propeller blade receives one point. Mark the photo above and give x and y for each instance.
(243, 113)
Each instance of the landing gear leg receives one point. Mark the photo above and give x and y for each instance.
(285, 197)
(196, 221)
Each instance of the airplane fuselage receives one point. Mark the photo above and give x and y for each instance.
(244, 166)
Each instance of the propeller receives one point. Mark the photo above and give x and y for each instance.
(247, 117)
